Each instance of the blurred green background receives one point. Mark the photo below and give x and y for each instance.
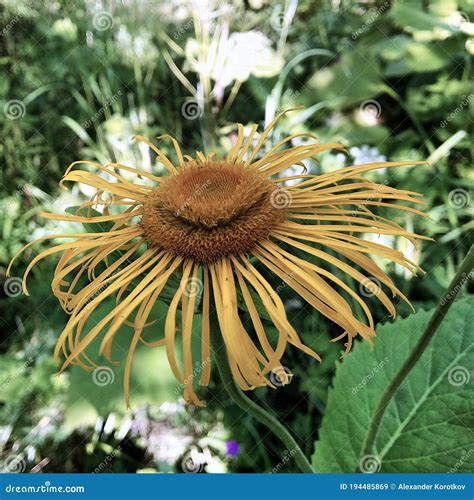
(389, 80)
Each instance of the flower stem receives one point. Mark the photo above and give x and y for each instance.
(249, 406)
(445, 303)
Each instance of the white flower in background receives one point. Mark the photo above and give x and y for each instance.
(65, 28)
(136, 47)
(366, 154)
(235, 58)
(295, 170)
(409, 250)
(330, 161)
(118, 131)
(380, 239)
(216, 466)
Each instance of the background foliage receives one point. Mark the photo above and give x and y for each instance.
(79, 78)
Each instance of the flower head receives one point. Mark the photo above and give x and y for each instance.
(220, 225)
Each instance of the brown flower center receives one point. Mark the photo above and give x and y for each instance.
(208, 211)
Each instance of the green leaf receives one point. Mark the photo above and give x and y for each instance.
(412, 18)
(262, 312)
(426, 427)
(90, 227)
(355, 77)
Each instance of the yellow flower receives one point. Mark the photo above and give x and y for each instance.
(221, 225)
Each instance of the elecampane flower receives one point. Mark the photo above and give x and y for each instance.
(220, 225)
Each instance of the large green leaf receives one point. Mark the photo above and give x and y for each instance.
(426, 427)
(355, 77)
